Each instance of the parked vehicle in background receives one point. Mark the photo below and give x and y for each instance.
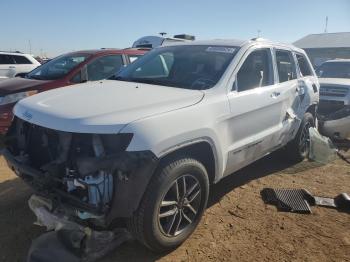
(156, 41)
(16, 64)
(144, 152)
(64, 70)
(334, 107)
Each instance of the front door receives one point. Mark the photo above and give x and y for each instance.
(255, 102)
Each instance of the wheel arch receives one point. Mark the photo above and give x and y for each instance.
(202, 150)
(312, 109)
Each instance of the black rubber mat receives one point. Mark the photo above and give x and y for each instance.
(289, 200)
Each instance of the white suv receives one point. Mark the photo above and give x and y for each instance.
(145, 147)
(16, 64)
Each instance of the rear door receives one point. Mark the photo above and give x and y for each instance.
(22, 64)
(288, 89)
(7, 66)
(255, 101)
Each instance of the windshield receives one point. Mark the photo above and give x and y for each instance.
(191, 67)
(57, 67)
(334, 70)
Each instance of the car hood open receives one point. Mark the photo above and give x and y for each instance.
(102, 106)
(17, 84)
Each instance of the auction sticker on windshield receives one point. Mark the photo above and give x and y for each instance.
(221, 49)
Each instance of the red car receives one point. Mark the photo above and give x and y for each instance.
(64, 70)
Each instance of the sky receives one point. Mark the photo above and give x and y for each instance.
(54, 27)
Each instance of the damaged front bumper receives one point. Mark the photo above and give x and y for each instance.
(88, 177)
(336, 124)
(67, 240)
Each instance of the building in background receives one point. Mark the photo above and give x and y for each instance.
(326, 46)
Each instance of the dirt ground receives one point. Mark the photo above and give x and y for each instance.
(237, 225)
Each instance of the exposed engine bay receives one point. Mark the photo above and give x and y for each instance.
(85, 176)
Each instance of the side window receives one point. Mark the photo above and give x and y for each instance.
(21, 60)
(285, 66)
(256, 71)
(159, 66)
(132, 58)
(6, 60)
(104, 67)
(2, 60)
(77, 78)
(304, 65)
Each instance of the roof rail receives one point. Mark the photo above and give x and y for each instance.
(18, 52)
(138, 48)
(258, 39)
(107, 48)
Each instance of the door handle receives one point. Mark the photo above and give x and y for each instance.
(275, 94)
(12, 67)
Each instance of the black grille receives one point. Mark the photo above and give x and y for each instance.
(333, 91)
(290, 200)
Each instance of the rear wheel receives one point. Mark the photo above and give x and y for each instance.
(298, 149)
(173, 204)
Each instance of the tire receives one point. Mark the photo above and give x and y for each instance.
(298, 149)
(152, 223)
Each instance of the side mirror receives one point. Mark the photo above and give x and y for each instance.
(84, 74)
(22, 75)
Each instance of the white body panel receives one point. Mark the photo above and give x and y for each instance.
(102, 106)
(240, 127)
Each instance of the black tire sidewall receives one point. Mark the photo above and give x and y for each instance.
(295, 145)
(166, 177)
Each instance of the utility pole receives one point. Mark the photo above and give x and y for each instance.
(326, 27)
(259, 31)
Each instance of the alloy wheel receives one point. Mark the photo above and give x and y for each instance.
(179, 206)
(304, 142)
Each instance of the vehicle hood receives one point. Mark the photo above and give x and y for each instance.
(334, 81)
(102, 106)
(17, 84)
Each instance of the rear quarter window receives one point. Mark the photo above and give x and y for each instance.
(285, 66)
(21, 60)
(304, 66)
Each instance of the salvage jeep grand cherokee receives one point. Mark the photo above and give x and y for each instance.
(144, 147)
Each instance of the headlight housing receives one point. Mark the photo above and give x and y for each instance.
(13, 98)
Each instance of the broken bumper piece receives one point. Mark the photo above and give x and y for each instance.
(336, 124)
(69, 242)
(339, 129)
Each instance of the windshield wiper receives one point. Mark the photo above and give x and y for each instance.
(119, 78)
(144, 81)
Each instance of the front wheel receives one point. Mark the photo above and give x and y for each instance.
(298, 149)
(173, 204)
